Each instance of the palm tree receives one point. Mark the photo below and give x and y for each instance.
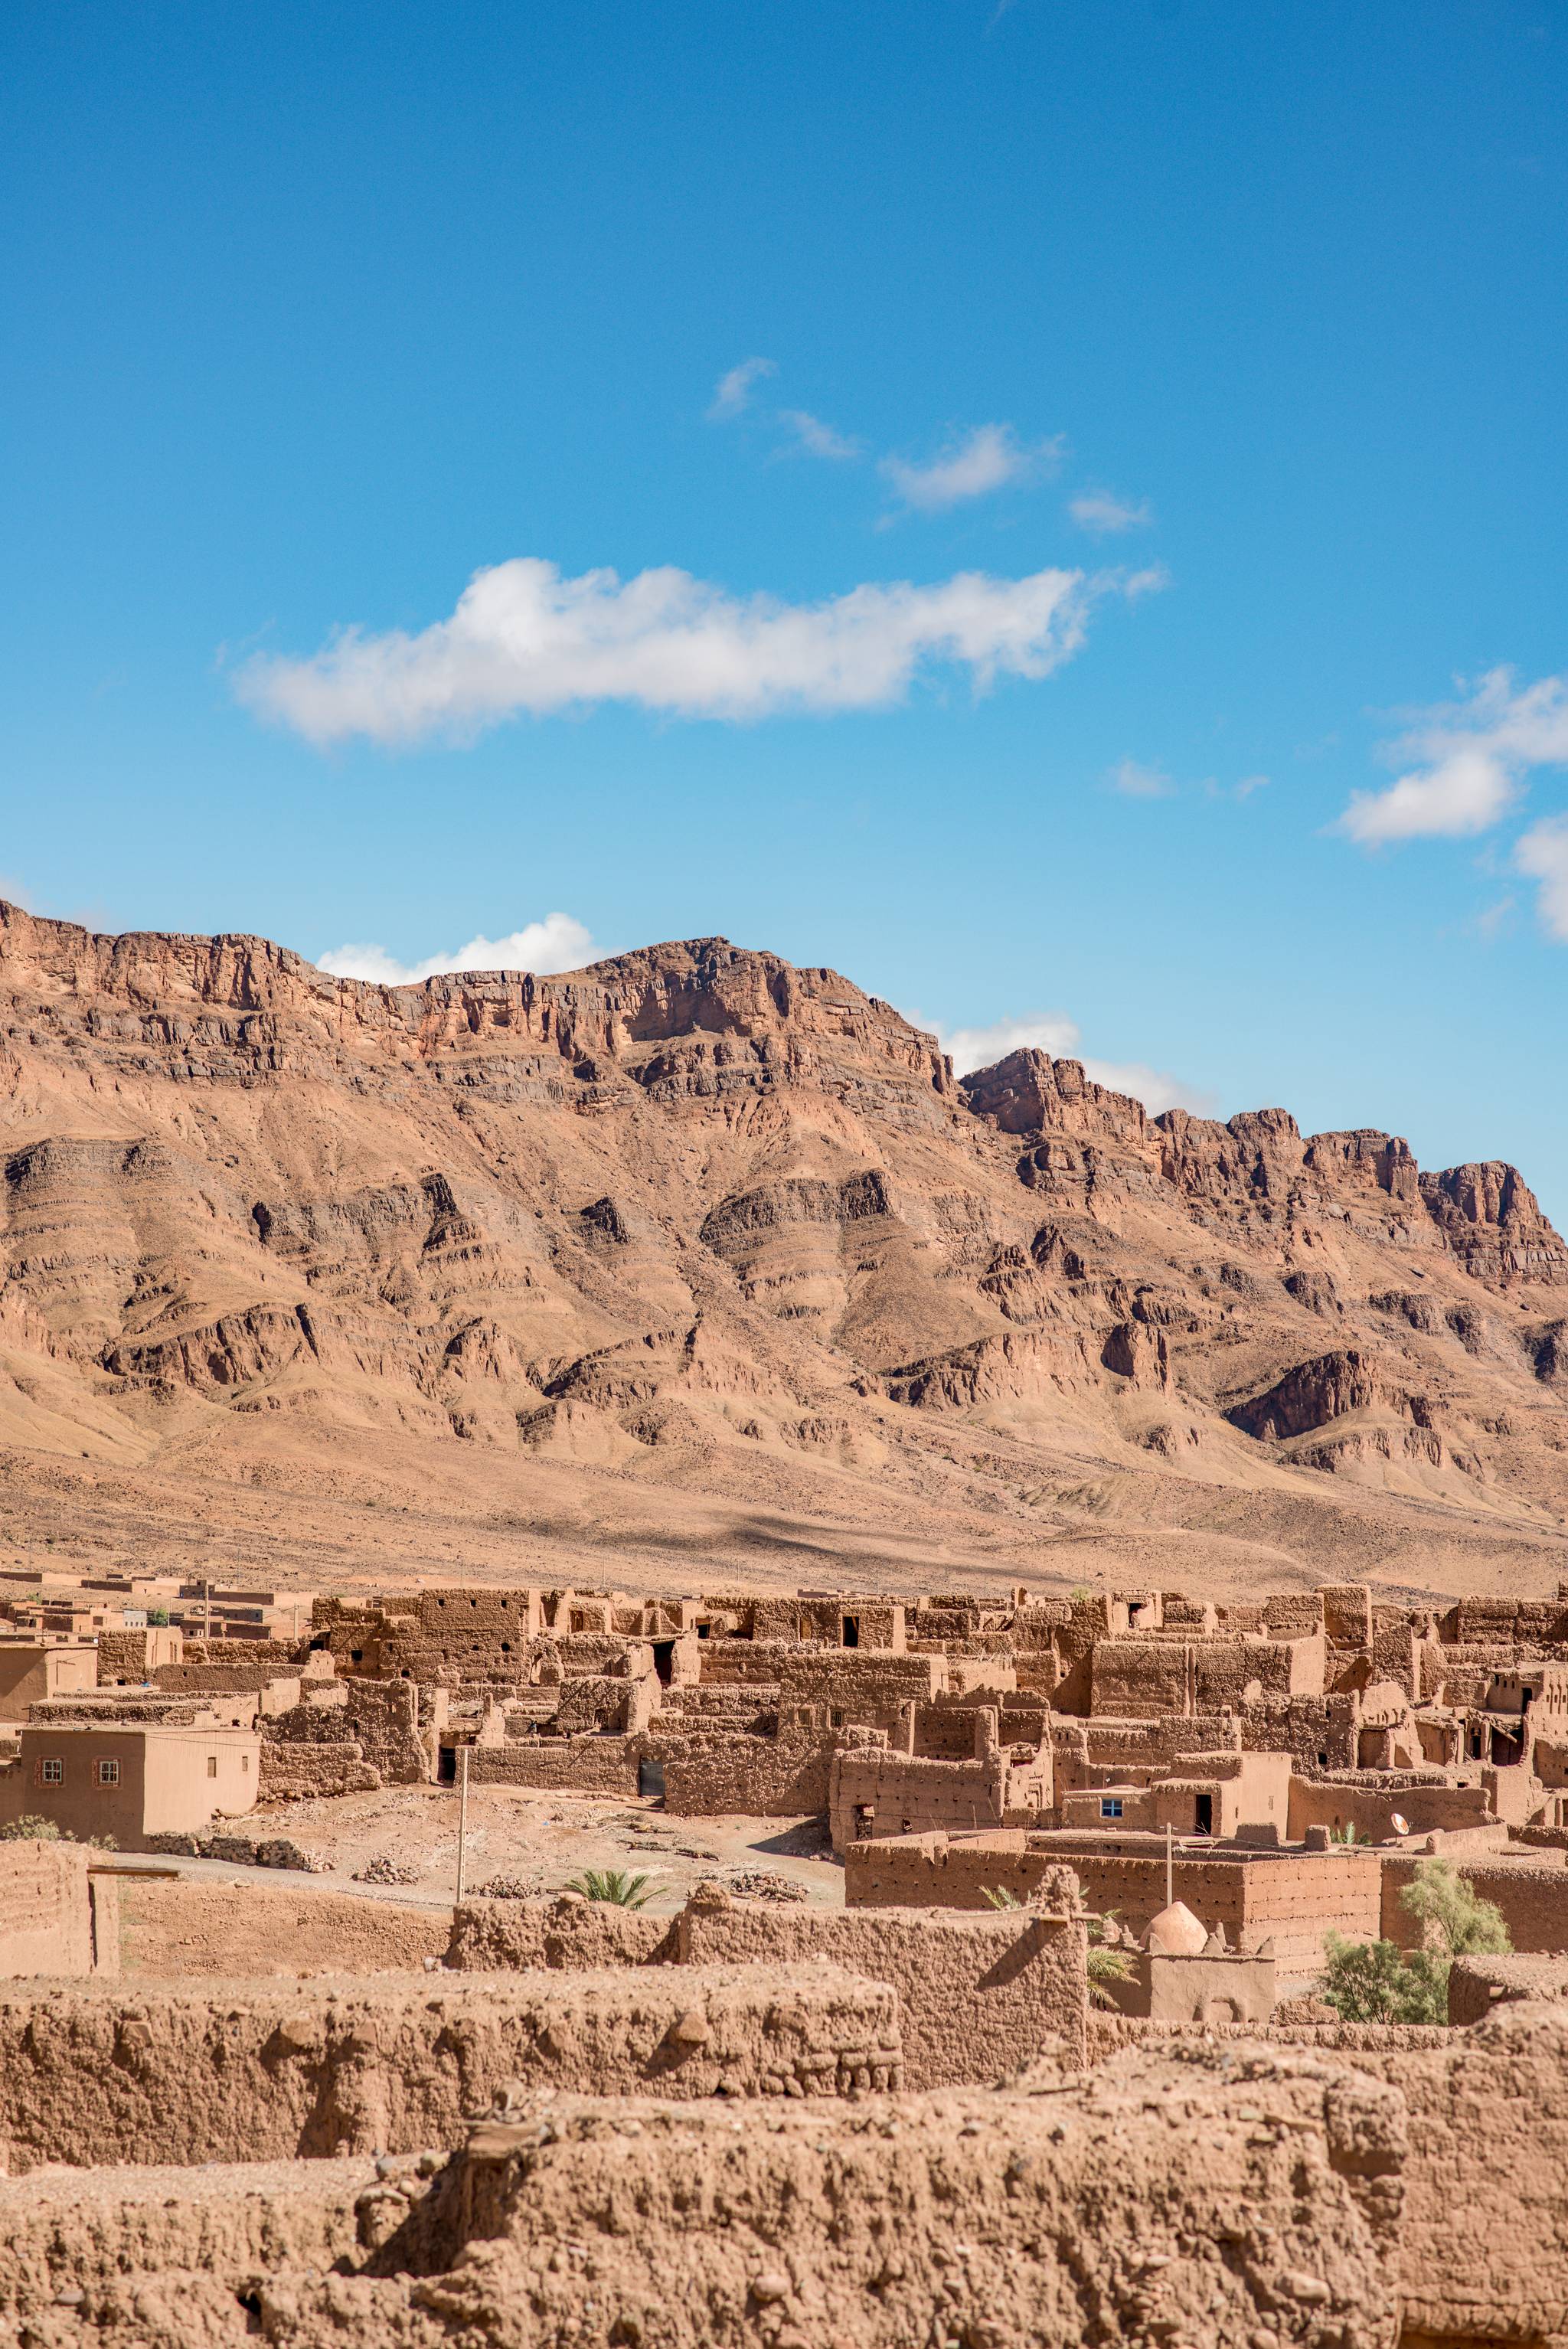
(614, 1885)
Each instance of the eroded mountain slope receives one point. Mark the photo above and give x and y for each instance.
(696, 1256)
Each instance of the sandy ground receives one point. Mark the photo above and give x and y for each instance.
(537, 1842)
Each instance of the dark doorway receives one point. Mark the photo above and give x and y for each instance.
(663, 1664)
(447, 1766)
(651, 1780)
(1205, 1814)
(852, 1631)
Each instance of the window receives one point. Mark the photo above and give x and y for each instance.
(1110, 1807)
(245, 1764)
(211, 1765)
(109, 1773)
(51, 1771)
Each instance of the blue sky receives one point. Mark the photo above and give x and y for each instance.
(1129, 602)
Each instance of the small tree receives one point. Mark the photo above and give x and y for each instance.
(1377, 1982)
(999, 1897)
(614, 1886)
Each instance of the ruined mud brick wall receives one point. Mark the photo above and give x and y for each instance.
(165, 2258)
(1482, 2254)
(56, 1918)
(880, 1622)
(979, 1997)
(1140, 1678)
(176, 1926)
(1367, 1800)
(122, 1658)
(945, 1729)
(590, 1765)
(588, 1702)
(271, 2071)
(1292, 1898)
(905, 1795)
(1316, 1732)
(998, 2221)
(277, 1682)
(745, 1664)
(1478, 1984)
(298, 1773)
(1525, 1622)
(1533, 1894)
(381, 1717)
(707, 1772)
(857, 1689)
(578, 1935)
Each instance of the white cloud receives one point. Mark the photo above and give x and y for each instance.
(1543, 852)
(524, 638)
(732, 393)
(818, 440)
(558, 942)
(1135, 781)
(1100, 512)
(1054, 1032)
(987, 459)
(1470, 760)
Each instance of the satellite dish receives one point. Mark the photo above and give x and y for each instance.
(1401, 1824)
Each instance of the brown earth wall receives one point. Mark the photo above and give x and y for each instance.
(333, 2066)
(294, 1773)
(171, 1925)
(598, 1766)
(1292, 1899)
(763, 1778)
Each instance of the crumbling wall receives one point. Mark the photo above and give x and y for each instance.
(56, 1918)
(979, 1996)
(263, 2072)
(296, 1772)
(591, 1764)
(381, 1717)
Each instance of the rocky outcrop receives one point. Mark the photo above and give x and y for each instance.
(1329, 1387)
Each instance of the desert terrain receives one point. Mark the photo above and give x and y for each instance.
(695, 1264)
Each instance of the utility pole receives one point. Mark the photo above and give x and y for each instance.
(462, 1821)
(1170, 1868)
(206, 1607)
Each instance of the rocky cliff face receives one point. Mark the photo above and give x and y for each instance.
(695, 1252)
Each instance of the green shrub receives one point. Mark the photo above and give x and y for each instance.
(35, 1829)
(1377, 1982)
(614, 1886)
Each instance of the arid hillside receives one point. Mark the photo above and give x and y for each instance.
(693, 1260)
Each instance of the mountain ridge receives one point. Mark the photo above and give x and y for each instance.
(693, 1237)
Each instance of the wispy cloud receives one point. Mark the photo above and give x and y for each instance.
(1104, 514)
(991, 457)
(1054, 1032)
(1470, 764)
(1135, 782)
(1470, 761)
(524, 638)
(558, 942)
(1542, 854)
(817, 438)
(732, 393)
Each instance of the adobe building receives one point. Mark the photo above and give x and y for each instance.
(129, 1781)
(32, 1670)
